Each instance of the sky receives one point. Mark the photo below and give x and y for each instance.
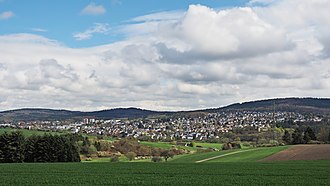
(161, 55)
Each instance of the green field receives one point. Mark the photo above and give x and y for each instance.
(247, 173)
(26, 132)
(166, 145)
(250, 155)
(192, 158)
(245, 155)
(230, 167)
(210, 145)
(162, 145)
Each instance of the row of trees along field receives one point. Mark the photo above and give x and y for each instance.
(15, 148)
(301, 136)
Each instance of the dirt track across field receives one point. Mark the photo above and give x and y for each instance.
(302, 152)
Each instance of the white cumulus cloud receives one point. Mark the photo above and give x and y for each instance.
(93, 9)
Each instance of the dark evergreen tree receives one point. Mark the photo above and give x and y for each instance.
(287, 137)
(310, 133)
(30, 148)
(297, 137)
(306, 137)
(4, 147)
(12, 147)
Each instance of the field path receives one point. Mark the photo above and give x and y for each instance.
(219, 156)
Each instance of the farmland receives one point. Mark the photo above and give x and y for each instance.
(233, 173)
(302, 152)
(224, 167)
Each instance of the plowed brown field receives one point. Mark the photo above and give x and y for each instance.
(302, 152)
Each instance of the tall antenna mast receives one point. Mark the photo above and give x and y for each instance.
(274, 114)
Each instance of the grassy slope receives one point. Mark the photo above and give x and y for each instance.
(162, 145)
(243, 156)
(166, 145)
(246, 173)
(192, 158)
(210, 145)
(250, 156)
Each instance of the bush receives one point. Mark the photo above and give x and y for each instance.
(92, 150)
(232, 145)
(104, 154)
(114, 158)
(130, 155)
(88, 159)
(274, 142)
(156, 159)
(227, 146)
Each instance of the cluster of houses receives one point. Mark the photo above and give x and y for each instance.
(209, 126)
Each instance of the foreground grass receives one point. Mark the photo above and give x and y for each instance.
(247, 173)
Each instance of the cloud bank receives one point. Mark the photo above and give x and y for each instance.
(195, 59)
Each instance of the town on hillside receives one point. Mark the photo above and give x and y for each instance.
(210, 126)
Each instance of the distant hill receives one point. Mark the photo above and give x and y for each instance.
(123, 113)
(301, 105)
(28, 114)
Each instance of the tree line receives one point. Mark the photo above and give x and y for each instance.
(300, 136)
(16, 148)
